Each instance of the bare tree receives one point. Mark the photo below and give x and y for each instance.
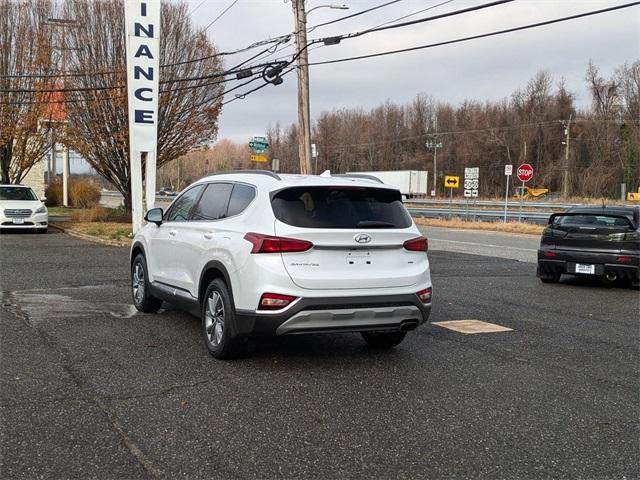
(188, 110)
(528, 126)
(25, 47)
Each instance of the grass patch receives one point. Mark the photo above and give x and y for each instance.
(67, 211)
(509, 227)
(105, 230)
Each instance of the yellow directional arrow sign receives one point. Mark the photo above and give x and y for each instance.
(259, 158)
(451, 181)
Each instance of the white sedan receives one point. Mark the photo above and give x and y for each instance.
(20, 208)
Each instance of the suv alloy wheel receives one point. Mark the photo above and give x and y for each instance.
(218, 321)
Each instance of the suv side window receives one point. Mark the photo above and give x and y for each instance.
(213, 203)
(179, 211)
(241, 197)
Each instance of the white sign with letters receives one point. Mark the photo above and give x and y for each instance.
(142, 27)
(471, 181)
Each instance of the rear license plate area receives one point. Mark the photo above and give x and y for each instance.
(359, 258)
(585, 268)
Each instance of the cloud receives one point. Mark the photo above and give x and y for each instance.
(490, 68)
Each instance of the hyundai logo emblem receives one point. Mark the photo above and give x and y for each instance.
(362, 238)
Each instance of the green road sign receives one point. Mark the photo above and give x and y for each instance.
(258, 144)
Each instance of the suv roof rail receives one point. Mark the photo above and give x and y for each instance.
(268, 173)
(359, 175)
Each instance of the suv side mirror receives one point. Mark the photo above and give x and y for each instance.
(154, 215)
(43, 199)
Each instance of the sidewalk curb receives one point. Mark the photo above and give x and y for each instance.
(89, 238)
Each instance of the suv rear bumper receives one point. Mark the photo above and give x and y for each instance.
(564, 261)
(339, 314)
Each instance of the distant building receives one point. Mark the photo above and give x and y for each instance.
(35, 179)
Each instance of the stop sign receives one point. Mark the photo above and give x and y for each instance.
(525, 172)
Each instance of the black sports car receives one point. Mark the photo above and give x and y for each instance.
(593, 241)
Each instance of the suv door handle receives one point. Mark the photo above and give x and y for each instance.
(209, 235)
(173, 232)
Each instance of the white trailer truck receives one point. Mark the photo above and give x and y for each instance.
(411, 183)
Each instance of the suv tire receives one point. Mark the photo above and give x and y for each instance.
(383, 339)
(550, 278)
(142, 298)
(218, 321)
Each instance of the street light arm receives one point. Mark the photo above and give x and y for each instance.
(333, 5)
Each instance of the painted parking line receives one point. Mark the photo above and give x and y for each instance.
(469, 327)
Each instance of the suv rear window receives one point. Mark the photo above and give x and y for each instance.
(594, 220)
(340, 207)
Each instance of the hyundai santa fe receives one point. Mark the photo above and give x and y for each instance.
(256, 253)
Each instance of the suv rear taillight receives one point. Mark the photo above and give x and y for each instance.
(425, 295)
(274, 301)
(270, 244)
(418, 244)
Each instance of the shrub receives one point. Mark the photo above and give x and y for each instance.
(119, 215)
(83, 193)
(93, 214)
(53, 193)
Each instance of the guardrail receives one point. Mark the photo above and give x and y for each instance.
(481, 215)
(493, 203)
(114, 199)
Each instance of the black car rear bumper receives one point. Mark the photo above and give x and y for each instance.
(552, 261)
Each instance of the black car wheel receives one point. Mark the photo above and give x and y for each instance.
(550, 278)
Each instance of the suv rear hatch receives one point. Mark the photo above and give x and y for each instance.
(358, 236)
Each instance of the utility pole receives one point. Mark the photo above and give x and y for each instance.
(63, 23)
(304, 121)
(565, 173)
(434, 143)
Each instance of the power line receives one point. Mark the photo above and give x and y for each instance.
(346, 17)
(338, 38)
(243, 95)
(222, 74)
(546, 123)
(197, 7)
(256, 76)
(475, 37)
(414, 13)
(278, 40)
(220, 16)
(235, 70)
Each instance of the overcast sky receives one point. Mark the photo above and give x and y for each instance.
(490, 68)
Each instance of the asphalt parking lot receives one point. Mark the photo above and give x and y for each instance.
(92, 389)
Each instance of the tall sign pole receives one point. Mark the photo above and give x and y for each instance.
(508, 171)
(142, 27)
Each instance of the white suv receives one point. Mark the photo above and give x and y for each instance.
(20, 208)
(256, 253)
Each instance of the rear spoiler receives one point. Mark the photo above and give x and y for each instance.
(553, 216)
(359, 175)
